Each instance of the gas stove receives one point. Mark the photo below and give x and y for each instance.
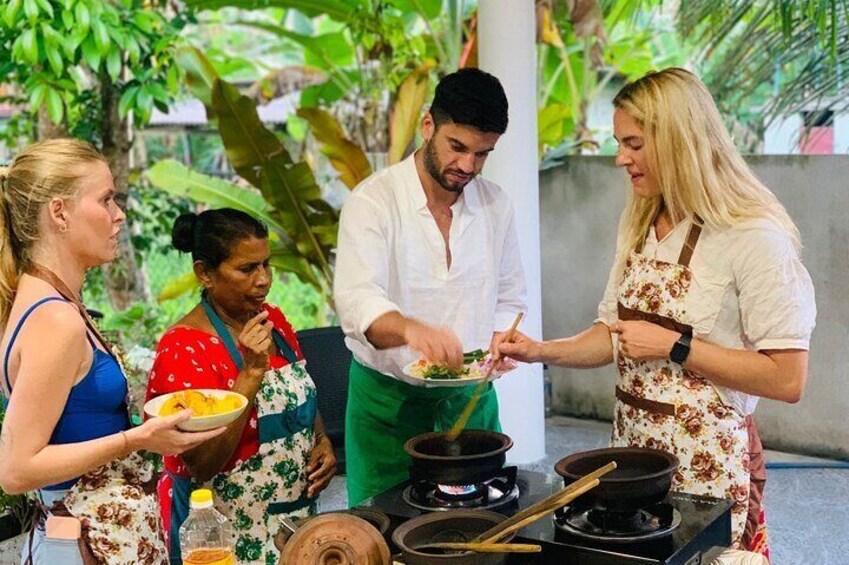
(688, 527)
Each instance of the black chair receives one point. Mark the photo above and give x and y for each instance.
(328, 362)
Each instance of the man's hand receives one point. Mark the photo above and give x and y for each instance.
(644, 341)
(438, 345)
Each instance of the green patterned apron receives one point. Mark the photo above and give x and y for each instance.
(271, 484)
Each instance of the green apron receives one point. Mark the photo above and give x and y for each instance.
(383, 413)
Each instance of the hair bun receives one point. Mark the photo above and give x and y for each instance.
(183, 233)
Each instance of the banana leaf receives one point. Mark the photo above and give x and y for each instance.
(289, 189)
(178, 286)
(339, 10)
(345, 155)
(248, 142)
(200, 74)
(177, 179)
(328, 51)
(406, 111)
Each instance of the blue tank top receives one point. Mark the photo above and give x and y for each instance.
(96, 406)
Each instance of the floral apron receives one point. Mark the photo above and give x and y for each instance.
(661, 405)
(271, 484)
(115, 503)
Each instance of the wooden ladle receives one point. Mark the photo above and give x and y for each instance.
(454, 432)
(481, 547)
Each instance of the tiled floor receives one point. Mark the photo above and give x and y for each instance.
(807, 508)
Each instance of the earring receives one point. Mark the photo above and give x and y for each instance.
(63, 228)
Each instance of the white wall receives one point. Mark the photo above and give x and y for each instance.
(507, 49)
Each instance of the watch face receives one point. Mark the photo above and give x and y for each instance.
(680, 350)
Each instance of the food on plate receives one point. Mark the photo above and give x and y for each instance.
(474, 366)
(200, 404)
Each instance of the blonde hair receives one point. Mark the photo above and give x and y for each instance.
(39, 173)
(696, 163)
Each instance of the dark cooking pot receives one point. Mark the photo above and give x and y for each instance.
(642, 477)
(475, 456)
(452, 526)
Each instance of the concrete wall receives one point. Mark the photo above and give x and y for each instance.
(580, 205)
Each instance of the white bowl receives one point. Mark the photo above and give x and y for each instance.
(199, 423)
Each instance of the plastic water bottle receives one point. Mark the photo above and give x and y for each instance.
(206, 537)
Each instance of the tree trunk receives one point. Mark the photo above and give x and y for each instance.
(124, 278)
(47, 129)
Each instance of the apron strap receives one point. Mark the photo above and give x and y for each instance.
(51, 278)
(646, 404)
(625, 313)
(181, 490)
(221, 329)
(690, 242)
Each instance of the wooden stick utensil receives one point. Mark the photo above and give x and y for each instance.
(458, 426)
(483, 547)
(546, 505)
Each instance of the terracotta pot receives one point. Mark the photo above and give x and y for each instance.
(451, 526)
(475, 456)
(642, 477)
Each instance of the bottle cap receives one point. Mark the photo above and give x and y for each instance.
(201, 498)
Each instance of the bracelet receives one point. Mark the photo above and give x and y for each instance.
(126, 441)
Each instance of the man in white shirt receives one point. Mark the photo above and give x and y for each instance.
(428, 266)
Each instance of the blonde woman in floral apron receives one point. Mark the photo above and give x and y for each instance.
(67, 432)
(274, 460)
(707, 308)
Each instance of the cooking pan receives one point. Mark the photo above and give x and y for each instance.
(475, 456)
(451, 526)
(643, 477)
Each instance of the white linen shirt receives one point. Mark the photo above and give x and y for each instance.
(391, 257)
(749, 291)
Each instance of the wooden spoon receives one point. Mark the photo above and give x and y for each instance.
(458, 426)
(482, 547)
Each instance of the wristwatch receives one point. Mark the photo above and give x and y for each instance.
(681, 349)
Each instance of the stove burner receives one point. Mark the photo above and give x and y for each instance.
(459, 492)
(485, 495)
(655, 522)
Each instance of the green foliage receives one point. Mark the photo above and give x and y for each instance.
(60, 50)
(766, 60)
(304, 225)
(154, 210)
(574, 70)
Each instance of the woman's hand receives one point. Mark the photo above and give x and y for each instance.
(502, 362)
(520, 347)
(256, 340)
(644, 341)
(322, 465)
(160, 435)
